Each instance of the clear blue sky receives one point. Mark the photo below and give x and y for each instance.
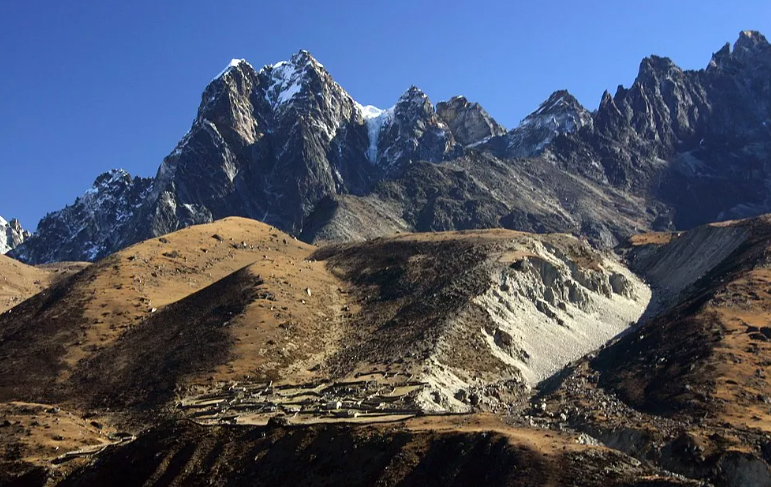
(92, 85)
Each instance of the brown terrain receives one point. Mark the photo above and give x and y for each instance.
(231, 353)
(20, 281)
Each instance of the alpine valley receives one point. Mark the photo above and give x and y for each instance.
(312, 291)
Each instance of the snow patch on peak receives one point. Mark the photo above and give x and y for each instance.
(234, 63)
(107, 179)
(413, 94)
(286, 82)
(304, 57)
(561, 112)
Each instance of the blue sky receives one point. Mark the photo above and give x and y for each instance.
(92, 85)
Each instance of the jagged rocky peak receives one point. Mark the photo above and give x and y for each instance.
(561, 113)
(265, 145)
(720, 57)
(751, 50)
(653, 65)
(752, 45)
(91, 227)
(300, 78)
(414, 132)
(111, 178)
(11, 234)
(469, 122)
(246, 102)
(414, 105)
(301, 83)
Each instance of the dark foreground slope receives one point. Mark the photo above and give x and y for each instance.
(469, 451)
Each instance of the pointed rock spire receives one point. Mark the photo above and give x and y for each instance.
(469, 122)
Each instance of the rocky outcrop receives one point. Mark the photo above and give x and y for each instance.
(414, 133)
(469, 122)
(557, 310)
(11, 235)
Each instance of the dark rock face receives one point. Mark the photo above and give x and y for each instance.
(266, 145)
(414, 132)
(469, 122)
(90, 228)
(697, 141)
(288, 146)
(11, 234)
(481, 191)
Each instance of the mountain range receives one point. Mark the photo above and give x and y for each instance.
(287, 145)
(312, 291)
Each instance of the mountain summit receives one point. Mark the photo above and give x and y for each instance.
(11, 234)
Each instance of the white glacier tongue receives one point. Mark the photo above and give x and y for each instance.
(376, 119)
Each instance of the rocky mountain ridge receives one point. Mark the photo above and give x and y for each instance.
(11, 234)
(90, 227)
(288, 146)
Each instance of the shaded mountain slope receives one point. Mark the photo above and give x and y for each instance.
(46, 339)
(20, 281)
(481, 191)
(448, 453)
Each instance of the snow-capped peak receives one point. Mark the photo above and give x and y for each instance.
(303, 57)
(287, 78)
(561, 112)
(11, 234)
(108, 178)
(234, 63)
(412, 95)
